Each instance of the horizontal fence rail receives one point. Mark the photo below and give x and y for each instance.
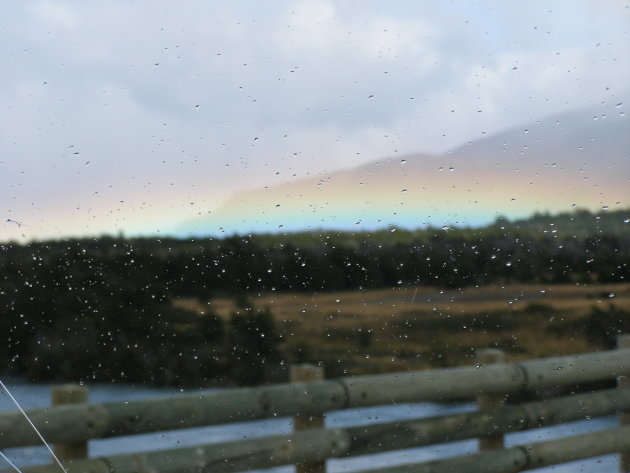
(69, 426)
(77, 422)
(525, 457)
(320, 444)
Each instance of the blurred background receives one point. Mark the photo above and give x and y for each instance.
(206, 118)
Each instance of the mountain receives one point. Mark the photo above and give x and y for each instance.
(576, 159)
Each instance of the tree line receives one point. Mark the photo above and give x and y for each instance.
(100, 308)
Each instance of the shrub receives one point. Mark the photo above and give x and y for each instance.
(603, 325)
(252, 346)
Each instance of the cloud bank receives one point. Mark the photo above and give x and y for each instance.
(128, 117)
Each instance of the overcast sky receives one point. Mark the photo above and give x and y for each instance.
(120, 116)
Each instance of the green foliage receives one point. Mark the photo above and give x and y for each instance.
(431, 323)
(100, 308)
(539, 308)
(211, 328)
(302, 353)
(242, 301)
(360, 337)
(77, 317)
(253, 346)
(602, 326)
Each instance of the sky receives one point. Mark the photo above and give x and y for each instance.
(121, 117)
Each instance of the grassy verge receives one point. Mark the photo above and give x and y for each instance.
(399, 329)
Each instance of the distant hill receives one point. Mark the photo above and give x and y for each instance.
(577, 159)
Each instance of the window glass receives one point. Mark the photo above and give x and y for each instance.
(200, 196)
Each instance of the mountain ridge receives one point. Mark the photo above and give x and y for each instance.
(579, 158)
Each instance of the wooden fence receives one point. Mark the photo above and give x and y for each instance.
(72, 422)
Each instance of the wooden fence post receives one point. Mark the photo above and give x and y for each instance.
(488, 356)
(70, 394)
(623, 341)
(301, 373)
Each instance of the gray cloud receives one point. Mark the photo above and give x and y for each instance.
(180, 107)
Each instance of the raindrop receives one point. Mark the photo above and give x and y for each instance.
(403, 161)
(404, 191)
(451, 169)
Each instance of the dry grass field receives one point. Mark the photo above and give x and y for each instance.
(412, 328)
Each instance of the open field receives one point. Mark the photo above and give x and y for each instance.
(411, 328)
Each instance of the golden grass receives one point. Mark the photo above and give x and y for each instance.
(332, 327)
